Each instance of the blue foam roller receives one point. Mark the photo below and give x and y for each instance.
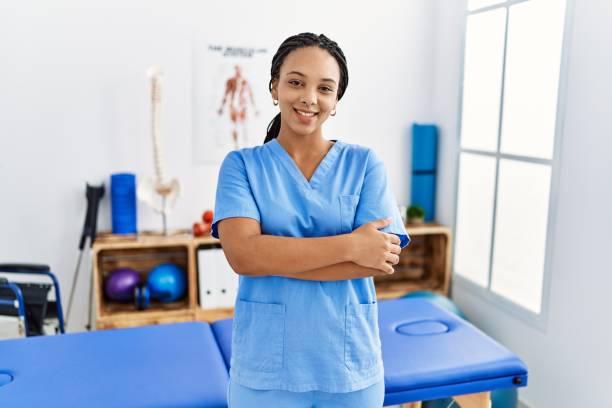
(123, 203)
(424, 147)
(424, 193)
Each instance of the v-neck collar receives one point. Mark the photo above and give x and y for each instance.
(294, 170)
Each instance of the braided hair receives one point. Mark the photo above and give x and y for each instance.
(301, 41)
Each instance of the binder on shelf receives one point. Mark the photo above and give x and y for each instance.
(218, 283)
(207, 278)
(228, 283)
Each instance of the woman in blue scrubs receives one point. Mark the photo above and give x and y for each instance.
(306, 222)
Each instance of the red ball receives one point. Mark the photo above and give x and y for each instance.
(207, 217)
(198, 230)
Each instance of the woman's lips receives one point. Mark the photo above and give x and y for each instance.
(305, 119)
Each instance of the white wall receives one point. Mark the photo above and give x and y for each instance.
(74, 102)
(569, 359)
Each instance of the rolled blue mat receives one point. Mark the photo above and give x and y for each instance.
(424, 193)
(424, 147)
(424, 163)
(123, 203)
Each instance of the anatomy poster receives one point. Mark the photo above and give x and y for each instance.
(232, 104)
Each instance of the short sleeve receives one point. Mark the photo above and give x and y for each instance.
(377, 201)
(234, 197)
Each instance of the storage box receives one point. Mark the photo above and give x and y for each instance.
(424, 263)
(142, 255)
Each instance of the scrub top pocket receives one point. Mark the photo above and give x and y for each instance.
(259, 334)
(361, 340)
(348, 207)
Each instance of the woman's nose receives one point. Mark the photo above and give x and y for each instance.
(309, 97)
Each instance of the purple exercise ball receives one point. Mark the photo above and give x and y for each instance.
(121, 283)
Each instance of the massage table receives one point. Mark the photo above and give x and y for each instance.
(428, 353)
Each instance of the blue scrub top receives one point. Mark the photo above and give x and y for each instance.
(293, 334)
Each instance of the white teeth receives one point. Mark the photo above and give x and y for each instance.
(305, 113)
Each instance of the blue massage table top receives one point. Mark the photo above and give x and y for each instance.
(174, 365)
(428, 353)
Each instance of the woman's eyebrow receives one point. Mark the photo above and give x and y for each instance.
(302, 75)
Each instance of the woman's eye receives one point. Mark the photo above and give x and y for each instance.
(294, 82)
(327, 89)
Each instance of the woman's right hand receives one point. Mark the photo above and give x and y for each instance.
(375, 249)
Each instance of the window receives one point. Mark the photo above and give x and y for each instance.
(477, 4)
(507, 153)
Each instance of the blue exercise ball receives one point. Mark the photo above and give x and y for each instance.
(167, 283)
(439, 300)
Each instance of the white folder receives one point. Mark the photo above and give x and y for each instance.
(230, 287)
(218, 281)
(207, 278)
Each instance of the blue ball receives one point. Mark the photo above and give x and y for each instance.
(167, 283)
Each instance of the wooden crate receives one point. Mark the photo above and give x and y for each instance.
(144, 318)
(212, 315)
(142, 254)
(424, 263)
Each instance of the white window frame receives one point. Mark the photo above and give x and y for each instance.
(537, 320)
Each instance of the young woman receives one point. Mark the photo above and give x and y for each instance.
(299, 219)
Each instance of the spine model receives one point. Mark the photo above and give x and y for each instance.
(152, 189)
(154, 74)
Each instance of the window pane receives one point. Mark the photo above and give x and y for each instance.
(484, 45)
(476, 4)
(533, 56)
(474, 217)
(520, 232)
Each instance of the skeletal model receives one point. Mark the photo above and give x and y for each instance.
(158, 192)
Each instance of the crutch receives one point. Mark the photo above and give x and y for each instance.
(94, 194)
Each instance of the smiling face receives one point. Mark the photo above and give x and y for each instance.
(306, 90)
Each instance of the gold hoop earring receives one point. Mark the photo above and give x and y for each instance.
(275, 102)
(332, 113)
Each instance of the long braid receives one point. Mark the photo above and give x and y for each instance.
(300, 41)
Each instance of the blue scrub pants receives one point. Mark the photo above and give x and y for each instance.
(239, 396)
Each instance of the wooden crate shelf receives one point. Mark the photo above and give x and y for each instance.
(142, 253)
(392, 290)
(424, 265)
(116, 308)
(144, 318)
(211, 315)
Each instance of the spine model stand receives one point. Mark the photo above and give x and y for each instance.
(159, 193)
